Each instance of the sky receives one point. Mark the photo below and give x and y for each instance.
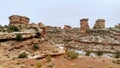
(62, 12)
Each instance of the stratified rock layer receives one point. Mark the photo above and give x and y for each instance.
(16, 19)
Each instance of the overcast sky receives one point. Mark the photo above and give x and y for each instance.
(62, 12)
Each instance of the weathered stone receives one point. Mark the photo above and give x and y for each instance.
(19, 21)
(84, 25)
(16, 19)
(43, 27)
(100, 24)
(67, 27)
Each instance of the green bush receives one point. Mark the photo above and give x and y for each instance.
(19, 37)
(99, 53)
(87, 53)
(35, 47)
(117, 54)
(23, 55)
(38, 65)
(12, 28)
(72, 54)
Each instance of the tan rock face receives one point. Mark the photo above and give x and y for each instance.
(24, 20)
(84, 25)
(67, 27)
(16, 19)
(100, 24)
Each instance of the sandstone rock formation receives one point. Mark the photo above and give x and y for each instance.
(16, 19)
(84, 25)
(100, 24)
(43, 27)
(33, 25)
(67, 27)
(40, 28)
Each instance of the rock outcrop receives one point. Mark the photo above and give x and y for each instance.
(43, 27)
(16, 19)
(100, 24)
(67, 27)
(9, 36)
(84, 25)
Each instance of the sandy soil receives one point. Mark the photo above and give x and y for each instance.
(61, 62)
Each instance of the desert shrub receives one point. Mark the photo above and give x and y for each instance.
(48, 58)
(87, 53)
(72, 54)
(23, 55)
(117, 54)
(116, 61)
(38, 65)
(99, 53)
(12, 28)
(18, 37)
(35, 47)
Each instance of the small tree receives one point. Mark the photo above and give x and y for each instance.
(19, 37)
